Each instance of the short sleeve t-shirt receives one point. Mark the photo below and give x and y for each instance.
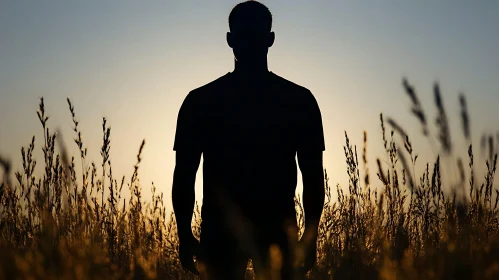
(249, 133)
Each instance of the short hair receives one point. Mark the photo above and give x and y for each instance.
(253, 9)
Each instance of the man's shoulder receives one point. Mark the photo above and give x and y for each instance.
(290, 87)
(287, 82)
(211, 86)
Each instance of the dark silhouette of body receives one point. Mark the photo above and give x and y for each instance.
(249, 125)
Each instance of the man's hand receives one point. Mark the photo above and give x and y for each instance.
(307, 253)
(310, 257)
(188, 248)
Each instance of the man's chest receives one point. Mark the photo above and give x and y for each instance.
(257, 119)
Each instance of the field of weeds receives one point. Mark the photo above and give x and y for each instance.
(74, 224)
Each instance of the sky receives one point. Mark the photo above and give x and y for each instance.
(134, 62)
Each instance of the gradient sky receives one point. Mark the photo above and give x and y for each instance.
(135, 61)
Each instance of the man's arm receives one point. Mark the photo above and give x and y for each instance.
(309, 152)
(188, 142)
(183, 193)
(310, 163)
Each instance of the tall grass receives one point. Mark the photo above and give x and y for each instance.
(75, 224)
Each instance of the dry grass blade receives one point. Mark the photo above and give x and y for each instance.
(442, 122)
(416, 108)
(465, 121)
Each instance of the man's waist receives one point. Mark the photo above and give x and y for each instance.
(247, 225)
(258, 214)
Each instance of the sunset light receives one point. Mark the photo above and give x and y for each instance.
(135, 62)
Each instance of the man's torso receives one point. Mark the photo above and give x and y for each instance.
(249, 132)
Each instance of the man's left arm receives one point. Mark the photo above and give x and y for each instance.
(310, 160)
(311, 167)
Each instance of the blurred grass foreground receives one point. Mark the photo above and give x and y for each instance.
(70, 224)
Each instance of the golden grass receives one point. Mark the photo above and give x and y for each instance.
(69, 224)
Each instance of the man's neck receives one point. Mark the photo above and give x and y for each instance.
(251, 70)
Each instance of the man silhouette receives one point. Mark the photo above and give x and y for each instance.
(249, 125)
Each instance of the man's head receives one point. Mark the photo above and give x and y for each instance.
(250, 35)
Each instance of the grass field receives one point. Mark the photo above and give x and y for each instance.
(75, 224)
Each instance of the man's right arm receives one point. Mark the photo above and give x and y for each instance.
(188, 147)
(183, 193)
